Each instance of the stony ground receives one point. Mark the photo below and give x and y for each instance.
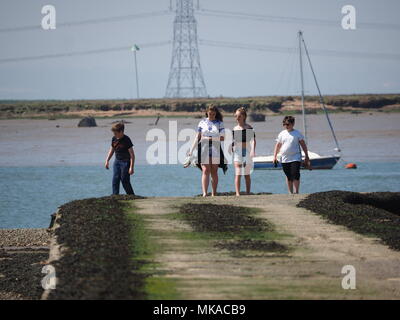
(23, 253)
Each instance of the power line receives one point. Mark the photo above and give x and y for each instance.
(90, 21)
(81, 53)
(212, 43)
(207, 12)
(283, 19)
(322, 52)
(244, 46)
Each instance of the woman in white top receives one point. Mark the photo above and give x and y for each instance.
(210, 133)
(243, 147)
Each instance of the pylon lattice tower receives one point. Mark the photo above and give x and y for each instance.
(185, 76)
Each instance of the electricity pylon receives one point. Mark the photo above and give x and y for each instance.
(185, 76)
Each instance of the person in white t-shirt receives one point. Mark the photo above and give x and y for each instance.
(210, 133)
(288, 143)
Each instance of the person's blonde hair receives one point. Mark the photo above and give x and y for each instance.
(242, 111)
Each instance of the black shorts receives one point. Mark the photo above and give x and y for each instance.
(292, 170)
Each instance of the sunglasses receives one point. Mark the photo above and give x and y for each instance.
(286, 124)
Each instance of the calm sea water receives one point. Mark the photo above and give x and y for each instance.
(28, 195)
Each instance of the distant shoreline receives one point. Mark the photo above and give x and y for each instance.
(270, 106)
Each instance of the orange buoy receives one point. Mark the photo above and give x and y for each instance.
(351, 166)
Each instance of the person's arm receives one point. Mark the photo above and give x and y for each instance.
(277, 148)
(221, 131)
(253, 142)
(195, 142)
(253, 147)
(109, 156)
(305, 149)
(132, 163)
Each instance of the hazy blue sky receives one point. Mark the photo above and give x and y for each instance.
(227, 71)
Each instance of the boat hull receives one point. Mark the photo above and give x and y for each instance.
(317, 163)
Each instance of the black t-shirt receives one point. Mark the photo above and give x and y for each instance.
(121, 147)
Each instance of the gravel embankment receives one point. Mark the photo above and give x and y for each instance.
(24, 238)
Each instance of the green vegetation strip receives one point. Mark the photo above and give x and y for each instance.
(373, 214)
(24, 108)
(98, 261)
(149, 276)
(233, 228)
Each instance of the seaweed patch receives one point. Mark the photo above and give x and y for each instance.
(373, 214)
(234, 228)
(96, 264)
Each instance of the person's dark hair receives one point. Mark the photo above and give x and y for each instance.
(289, 119)
(118, 127)
(218, 114)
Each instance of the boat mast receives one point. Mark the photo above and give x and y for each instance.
(302, 88)
(321, 99)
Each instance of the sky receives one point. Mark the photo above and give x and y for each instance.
(231, 72)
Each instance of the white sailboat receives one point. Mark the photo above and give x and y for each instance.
(317, 161)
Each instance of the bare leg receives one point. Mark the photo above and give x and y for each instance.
(214, 179)
(289, 185)
(205, 178)
(237, 178)
(248, 183)
(296, 184)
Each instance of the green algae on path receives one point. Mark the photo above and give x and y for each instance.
(149, 279)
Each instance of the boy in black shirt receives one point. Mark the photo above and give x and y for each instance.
(124, 161)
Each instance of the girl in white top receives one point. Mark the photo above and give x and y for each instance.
(210, 133)
(243, 147)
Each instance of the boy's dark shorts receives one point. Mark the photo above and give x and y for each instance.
(292, 170)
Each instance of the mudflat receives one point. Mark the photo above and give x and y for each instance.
(363, 137)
